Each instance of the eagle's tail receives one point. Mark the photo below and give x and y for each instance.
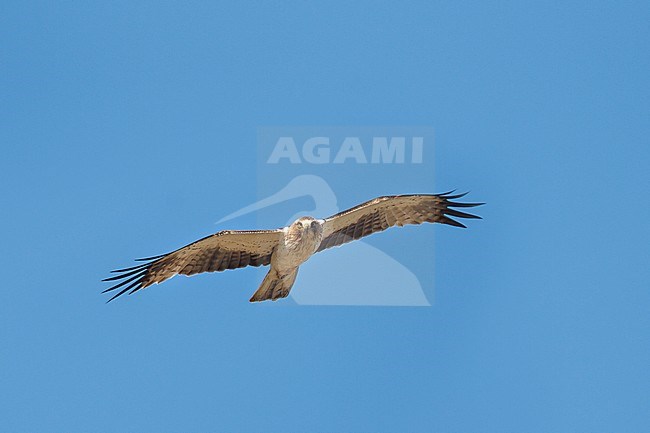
(275, 285)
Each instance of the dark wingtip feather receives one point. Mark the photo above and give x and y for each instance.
(448, 211)
(452, 222)
(455, 204)
(137, 277)
(446, 196)
(124, 275)
(134, 275)
(131, 268)
(137, 284)
(150, 258)
(459, 214)
(123, 291)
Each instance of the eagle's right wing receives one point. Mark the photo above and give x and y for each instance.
(230, 249)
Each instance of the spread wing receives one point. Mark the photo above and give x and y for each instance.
(217, 252)
(383, 212)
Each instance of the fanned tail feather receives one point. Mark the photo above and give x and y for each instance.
(275, 286)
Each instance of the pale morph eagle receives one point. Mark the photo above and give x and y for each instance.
(287, 248)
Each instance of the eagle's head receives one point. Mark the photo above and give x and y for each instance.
(307, 227)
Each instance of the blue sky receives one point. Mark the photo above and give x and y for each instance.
(128, 129)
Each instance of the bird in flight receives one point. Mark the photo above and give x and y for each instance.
(285, 249)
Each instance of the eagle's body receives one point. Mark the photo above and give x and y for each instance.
(287, 248)
(297, 244)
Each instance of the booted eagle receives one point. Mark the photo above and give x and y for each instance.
(287, 248)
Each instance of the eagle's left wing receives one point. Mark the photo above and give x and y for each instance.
(229, 249)
(384, 212)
